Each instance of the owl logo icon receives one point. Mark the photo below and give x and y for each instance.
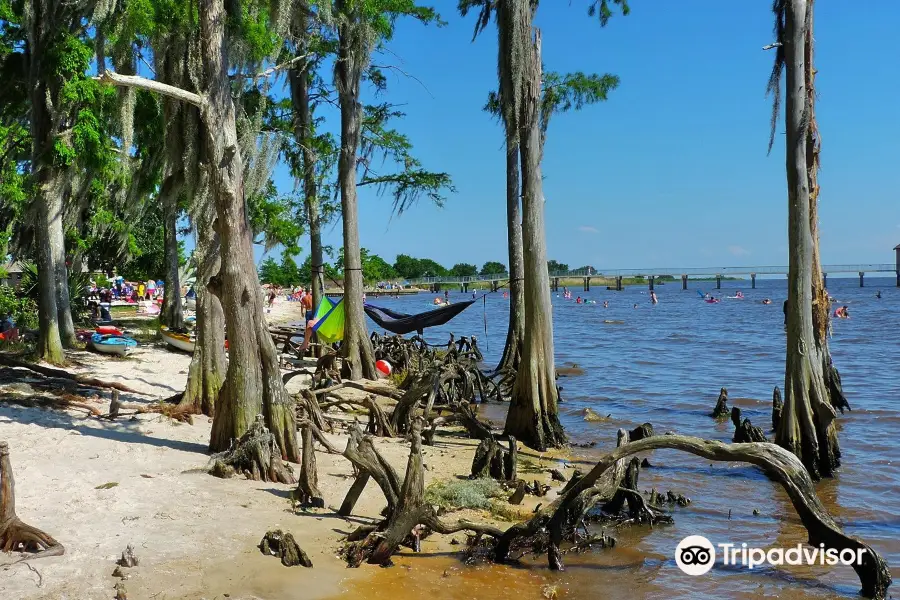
(695, 555)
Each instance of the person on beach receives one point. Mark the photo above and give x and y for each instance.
(271, 298)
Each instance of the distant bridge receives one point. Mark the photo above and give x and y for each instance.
(651, 275)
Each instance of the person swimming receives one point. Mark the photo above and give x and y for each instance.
(842, 312)
(653, 298)
(878, 294)
(578, 300)
(635, 306)
(606, 304)
(767, 301)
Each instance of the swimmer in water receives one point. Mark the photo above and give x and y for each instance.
(578, 300)
(653, 298)
(842, 313)
(767, 301)
(635, 306)
(606, 304)
(878, 294)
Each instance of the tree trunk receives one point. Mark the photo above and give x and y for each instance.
(48, 200)
(512, 352)
(303, 131)
(253, 382)
(208, 363)
(532, 416)
(806, 427)
(173, 314)
(355, 348)
(63, 301)
(820, 303)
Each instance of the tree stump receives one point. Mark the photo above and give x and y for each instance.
(307, 492)
(492, 460)
(284, 546)
(721, 409)
(16, 536)
(641, 432)
(777, 405)
(256, 455)
(745, 431)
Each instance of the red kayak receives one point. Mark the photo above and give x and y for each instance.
(109, 330)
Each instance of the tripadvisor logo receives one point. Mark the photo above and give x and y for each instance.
(695, 555)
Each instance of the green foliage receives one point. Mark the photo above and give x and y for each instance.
(22, 308)
(413, 268)
(274, 220)
(464, 270)
(374, 268)
(492, 267)
(457, 494)
(78, 282)
(285, 274)
(556, 267)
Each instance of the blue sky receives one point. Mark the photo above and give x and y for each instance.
(672, 170)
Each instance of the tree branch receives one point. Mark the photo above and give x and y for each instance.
(290, 64)
(142, 83)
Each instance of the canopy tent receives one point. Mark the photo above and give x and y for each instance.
(401, 323)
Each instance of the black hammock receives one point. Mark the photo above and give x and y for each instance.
(401, 323)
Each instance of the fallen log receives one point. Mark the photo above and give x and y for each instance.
(82, 379)
(779, 464)
(365, 386)
(16, 536)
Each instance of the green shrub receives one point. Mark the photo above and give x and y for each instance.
(463, 493)
(23, 309)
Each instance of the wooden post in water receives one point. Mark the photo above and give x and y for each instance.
(861, 277)
(618, 283)
(684, 279)
(587, 284)
(556, 284)
(824, 280)
(753, 280)
(718, 282)
(651, 280)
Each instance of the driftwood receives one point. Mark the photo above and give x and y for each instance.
(408, 516)
(59, 373)
(369, 387)
(307, 492)
(16, 536)
(284, 546)
(318, 435)
(779, 464)
(721, 409)
(60, 402)
(256, 455)
(745, 431)
(309, 404)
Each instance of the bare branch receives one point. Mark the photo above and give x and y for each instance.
(142, 83)
(290, 64)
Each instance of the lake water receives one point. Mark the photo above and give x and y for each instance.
(665, 364)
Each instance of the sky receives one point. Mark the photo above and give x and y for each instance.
(672, 170)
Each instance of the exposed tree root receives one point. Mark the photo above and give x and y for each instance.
(745, 431)
(721, 409)
(308, 493)
(409, 514)
(284, 546)
(779, 464)
(256, 454)
(16, 536)
(81, 379)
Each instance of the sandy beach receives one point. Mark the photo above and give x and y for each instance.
(98, 485)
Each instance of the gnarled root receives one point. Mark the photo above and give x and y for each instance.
(256, 455)
(16, 536)
(779, 464)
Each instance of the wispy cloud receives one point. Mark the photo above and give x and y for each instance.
(738, 251)
(588, 229)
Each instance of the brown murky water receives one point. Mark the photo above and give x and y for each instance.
(664, 365)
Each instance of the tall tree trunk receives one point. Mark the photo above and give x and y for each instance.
(512, 352)
(173, 312)
(356, 349)
(253, 383)
(303, 132)
(820, 304)
(48, 227)
(205, 374)
(63, 301)
(533, 416)
(807, 419)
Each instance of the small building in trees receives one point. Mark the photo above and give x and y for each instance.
(11, 274)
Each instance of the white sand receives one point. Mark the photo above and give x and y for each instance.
(195, 535)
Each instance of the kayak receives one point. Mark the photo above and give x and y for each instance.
(109, 330)
(180, 341)
(112, 344)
